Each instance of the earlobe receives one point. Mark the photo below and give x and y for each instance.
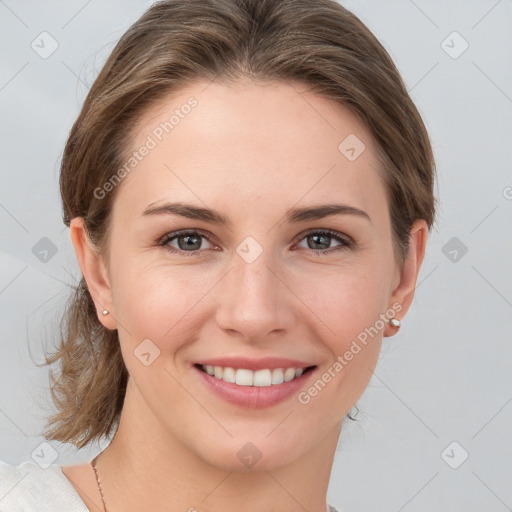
(404, 291)
(94, 272)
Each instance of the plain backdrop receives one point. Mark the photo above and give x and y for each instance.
(434, 431)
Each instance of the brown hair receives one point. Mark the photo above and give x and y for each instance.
(174, 43)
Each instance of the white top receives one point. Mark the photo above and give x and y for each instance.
(30, 488)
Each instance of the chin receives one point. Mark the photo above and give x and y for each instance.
(250, 456)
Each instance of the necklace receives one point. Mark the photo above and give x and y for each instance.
(93, 464)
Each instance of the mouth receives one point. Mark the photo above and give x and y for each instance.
(254, 389)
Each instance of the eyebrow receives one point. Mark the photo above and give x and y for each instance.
(293, 215)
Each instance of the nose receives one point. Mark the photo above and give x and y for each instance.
(255, 301)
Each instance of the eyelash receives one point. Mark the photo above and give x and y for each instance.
(345, 241)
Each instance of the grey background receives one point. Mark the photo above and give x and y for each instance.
(444, 378)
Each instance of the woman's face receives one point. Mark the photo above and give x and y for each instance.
(266, 282)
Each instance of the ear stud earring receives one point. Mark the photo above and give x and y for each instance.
(395, 322)
(105, 311)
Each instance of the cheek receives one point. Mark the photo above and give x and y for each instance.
(345, 301)
(351, 330)
(349, 306)
(157, 306)
(158, 302)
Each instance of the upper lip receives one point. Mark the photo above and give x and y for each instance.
(255, 364)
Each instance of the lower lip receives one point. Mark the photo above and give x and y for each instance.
(254, 397)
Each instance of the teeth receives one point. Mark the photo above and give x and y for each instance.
(261, 378)
(244, 377)
(277, 376)
(289, 374)
(229, 375)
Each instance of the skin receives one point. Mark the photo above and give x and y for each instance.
(251, 151)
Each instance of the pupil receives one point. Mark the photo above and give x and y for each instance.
(189, 244)
(317, 237)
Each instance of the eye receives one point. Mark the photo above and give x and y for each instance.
(322, 238)
(188, 242)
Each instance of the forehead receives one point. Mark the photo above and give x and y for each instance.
(251, 142)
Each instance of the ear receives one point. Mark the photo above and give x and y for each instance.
(94, 271)
(408, 275)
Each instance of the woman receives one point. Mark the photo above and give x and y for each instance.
(249, 190)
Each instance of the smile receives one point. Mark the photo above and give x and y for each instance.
(254, 389)
(260, 378)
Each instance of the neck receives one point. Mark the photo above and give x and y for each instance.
(146, 468)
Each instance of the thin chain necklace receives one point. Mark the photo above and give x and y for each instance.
(93, 464)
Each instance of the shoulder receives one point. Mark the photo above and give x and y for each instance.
(29, 487)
